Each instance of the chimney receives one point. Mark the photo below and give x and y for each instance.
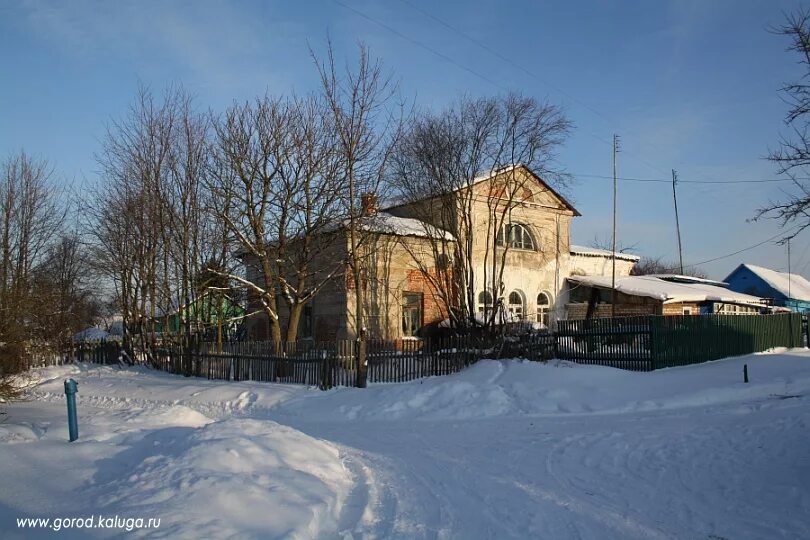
(368, 204)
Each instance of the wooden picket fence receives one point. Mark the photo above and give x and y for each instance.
(322, 364)
(621, 342)
(633, 343)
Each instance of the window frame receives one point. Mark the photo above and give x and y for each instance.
(543, 310)
(512, 308)
(417, 306)
(509, 231)
(485, 308)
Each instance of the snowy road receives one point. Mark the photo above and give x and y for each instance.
(503, 450)
(654, 475)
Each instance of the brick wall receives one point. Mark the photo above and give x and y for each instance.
(677, 309)
(578, 311)
(432, 307)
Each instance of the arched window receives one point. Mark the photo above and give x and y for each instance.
(543, 307)
(516, 306)
(485, 304)
(515, 235)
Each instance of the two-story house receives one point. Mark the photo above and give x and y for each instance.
(516, 234)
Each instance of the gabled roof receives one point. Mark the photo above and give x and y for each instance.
(482, 177)
(791, 286)
(668, 291)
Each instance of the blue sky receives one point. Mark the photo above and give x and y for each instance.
(690, 85)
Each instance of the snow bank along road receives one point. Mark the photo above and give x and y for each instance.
(503, 450)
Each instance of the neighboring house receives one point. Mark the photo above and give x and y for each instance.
(92, 334)
(791, 291)
(208, 314)
(402, 301)
(591, 296)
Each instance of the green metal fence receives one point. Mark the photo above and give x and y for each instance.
(684, 339)
(654, 342)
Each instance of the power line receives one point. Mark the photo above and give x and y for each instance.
(510, 61)
(504, 58)
(559, 90)
(774, 237)
(420, 44)
(481, 76)
(669, 181)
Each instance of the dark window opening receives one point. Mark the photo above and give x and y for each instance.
(411, 313)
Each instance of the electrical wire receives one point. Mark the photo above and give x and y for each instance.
(669, 181)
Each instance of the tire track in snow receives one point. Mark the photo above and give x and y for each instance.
(243, 406)
(370, 508)
(588, 503)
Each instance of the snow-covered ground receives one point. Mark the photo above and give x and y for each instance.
(502, 450)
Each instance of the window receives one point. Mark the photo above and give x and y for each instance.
(485, 304)
(411, 313)
(687, 311)
(517, 236)
(543, 307)
(516, 306)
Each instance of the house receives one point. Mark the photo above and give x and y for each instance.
(790, 291)
(92, 334)
(591, 296)
(520, 268)
(208, 314)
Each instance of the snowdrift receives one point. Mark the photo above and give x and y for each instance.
(522, 388)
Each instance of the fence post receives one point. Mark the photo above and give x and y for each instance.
(653, 336)
(362, 366)
(554, 345)
(806, 320)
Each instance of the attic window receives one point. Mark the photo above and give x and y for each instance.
(517, 236)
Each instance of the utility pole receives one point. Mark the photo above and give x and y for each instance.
(789, 291)
(615, 204)
(677, 222)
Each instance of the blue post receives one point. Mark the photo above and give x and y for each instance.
(71, 387)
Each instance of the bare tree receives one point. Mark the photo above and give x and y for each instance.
(128, 213)
(277, 187)
(657, 265)
(147, 222)
(606, 243)
(63, 291)
(31, 217)
(441, 159)
(366, 129)
(793, 155)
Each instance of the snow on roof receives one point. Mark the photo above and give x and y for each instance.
(680, 278)
(790, 285)
(668, 291)
(91, 334)
(385, 223)
(595, 252)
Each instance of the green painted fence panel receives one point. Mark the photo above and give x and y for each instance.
(688, 339)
